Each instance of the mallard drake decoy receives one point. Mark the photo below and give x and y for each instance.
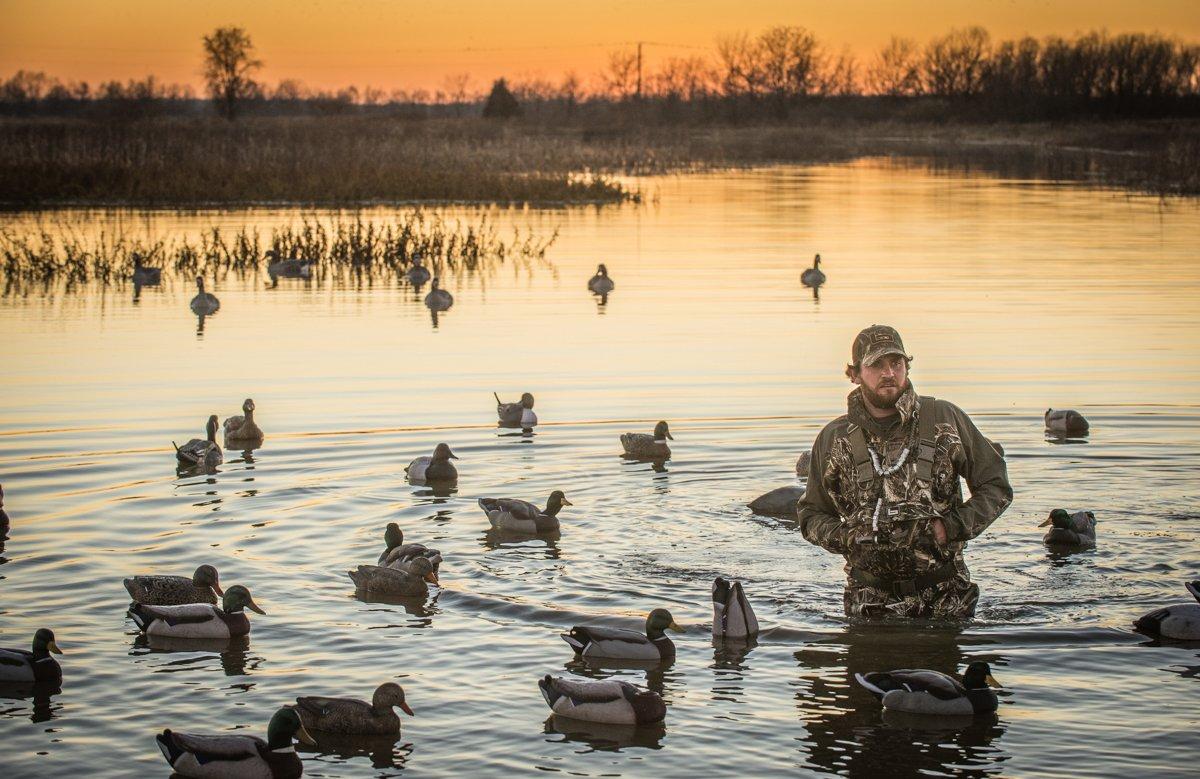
(933, 692)
(434, 468)
(518, 414)
(157, 590)
(438, 299)
(412, 582)
(779, 502)
(19, 665)
(802, 463)
(353, 717)
(205, 302)
(230, 756)
(610, 701)
(1180, 621)
(1066, 422)
(202, 452)
(814, 276)
(523, 517)
(144, 275)
(732, 615)
(198, 620)
(601, 284)
(596, 641)
(648, 447)
(418, 274)
(290, 268)
(1078, 529)
(397, 554)
(243, 428)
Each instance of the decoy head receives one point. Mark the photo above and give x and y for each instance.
(661, 431)
(283, 726)
(817, 261)
(390, 694)
(442, 452)
(206, 576)
(978, 676)
(555, 502)
(1059, 518)
(602, 270)
(526, 400)
(137, 260)
(393, 536)
(211, 427)
(200, 283)
(272, 254)
(433, 283)
(43, 642)
(660, 620)
(248, 405)
(423, 567)
(237, 598)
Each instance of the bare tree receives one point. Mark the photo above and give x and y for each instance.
(456, 86)
(895, 70)
(740, 66)
(791, 61)
(620, 77)
(686, 78)
(954, 64)
(840, 76)
(228, 65)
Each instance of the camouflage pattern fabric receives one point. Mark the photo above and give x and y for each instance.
(836, 510)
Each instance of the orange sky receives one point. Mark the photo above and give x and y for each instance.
(416, 44)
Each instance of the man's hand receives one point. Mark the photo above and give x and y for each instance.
(939, 531)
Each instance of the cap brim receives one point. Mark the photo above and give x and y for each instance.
(870, 357)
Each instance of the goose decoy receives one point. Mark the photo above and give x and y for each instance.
(413, 582)
(352, 717)
(1078, 529)
(204, 303)
(1066, 422)
(243, 428)
(802, 463)
(1180, 621)
(229, 756)
(732, 615)
(520, 516)
(596, 641)
(418, 274)
(519, 414)
(4, 521)
(397, 554)
(437, 467)
(779, 502)
(157, 590)
(438, 299)
(933, 692)
(601, 284)
(144, 275)
(201, 452)
(198, 620)
(814, 276)
(19, 665)
(610, 701)
(290, 268)
(648, 447)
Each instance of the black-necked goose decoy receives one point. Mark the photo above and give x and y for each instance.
(1066, 422)
(435, 468)
(1180, 622)
(204, 303)
(20, 665)
(233, 756)
(202, 452)
(198, 620)
(160, 590)
(1078, 529)
(520, 516)
(418, 274)
(242, 427)
(610, 701)
(354, 717)
(601, 284)
(814, 276)
(648, 447)
(519, 414)
(920, 691)
(438, 299)
(598, 641)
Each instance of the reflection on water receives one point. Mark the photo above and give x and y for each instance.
(381, 752)
(605, 737)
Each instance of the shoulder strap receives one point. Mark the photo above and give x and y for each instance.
(863, 468)
(926, 434)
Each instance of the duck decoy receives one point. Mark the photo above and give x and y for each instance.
(814, 276)
(19, 665)
(1066, 422)
(198, 620)
(438, 299)
(1078, 529)
(159, 590)
(519, 414)
(597, 641)
(1180, 621)
(144, 275)
(397, 554)
(418, 274)
(413, 582)
(779, 502)
(241, 427)
(230, 756)
(5, 523)
(436, 467)
(290, 268)
(610, 701)
(732, 615)
(204, 303)
(201, 452)
(352, 717)
(520, 516)
(648, 447)
(601, 284)
(932, 692)
(802, 463)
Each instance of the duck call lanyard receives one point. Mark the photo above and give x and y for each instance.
(869, 466)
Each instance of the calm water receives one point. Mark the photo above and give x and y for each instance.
(1013, 296)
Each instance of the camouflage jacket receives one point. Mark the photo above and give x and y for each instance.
(837, 509)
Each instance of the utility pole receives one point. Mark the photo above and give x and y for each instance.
(639, 82)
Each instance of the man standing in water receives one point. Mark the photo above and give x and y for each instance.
(883, 490)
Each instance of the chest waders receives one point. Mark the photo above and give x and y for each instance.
(870, 472)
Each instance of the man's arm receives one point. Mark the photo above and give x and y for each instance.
(987, 477)
(819, 520)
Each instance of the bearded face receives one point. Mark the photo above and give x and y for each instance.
(883, 381)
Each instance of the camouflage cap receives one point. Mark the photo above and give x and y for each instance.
(874, 342)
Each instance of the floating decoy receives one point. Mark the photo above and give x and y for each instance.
(814, 276)
(648, 447)
(290, 268)
(144, 275)
(933, 692)
(352, 717)
(4, 521)
(202, 452)
(802, 463)
(418, 274)
(397, 554)
(19, 665)
(1078, 529)
(609, 701)
(518, 414)
(523, 517)
(1066, 422)
(198, 620)
(779, 502)
(243, 428)
(205, 302)
(601, 284)
(229, 756)
(413, 582)
(434, 468)
(597, 641)
(1180, 621)
(158, 590)
(438, 299)
(732, 615)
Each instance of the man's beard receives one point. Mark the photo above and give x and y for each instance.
(881, 402)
